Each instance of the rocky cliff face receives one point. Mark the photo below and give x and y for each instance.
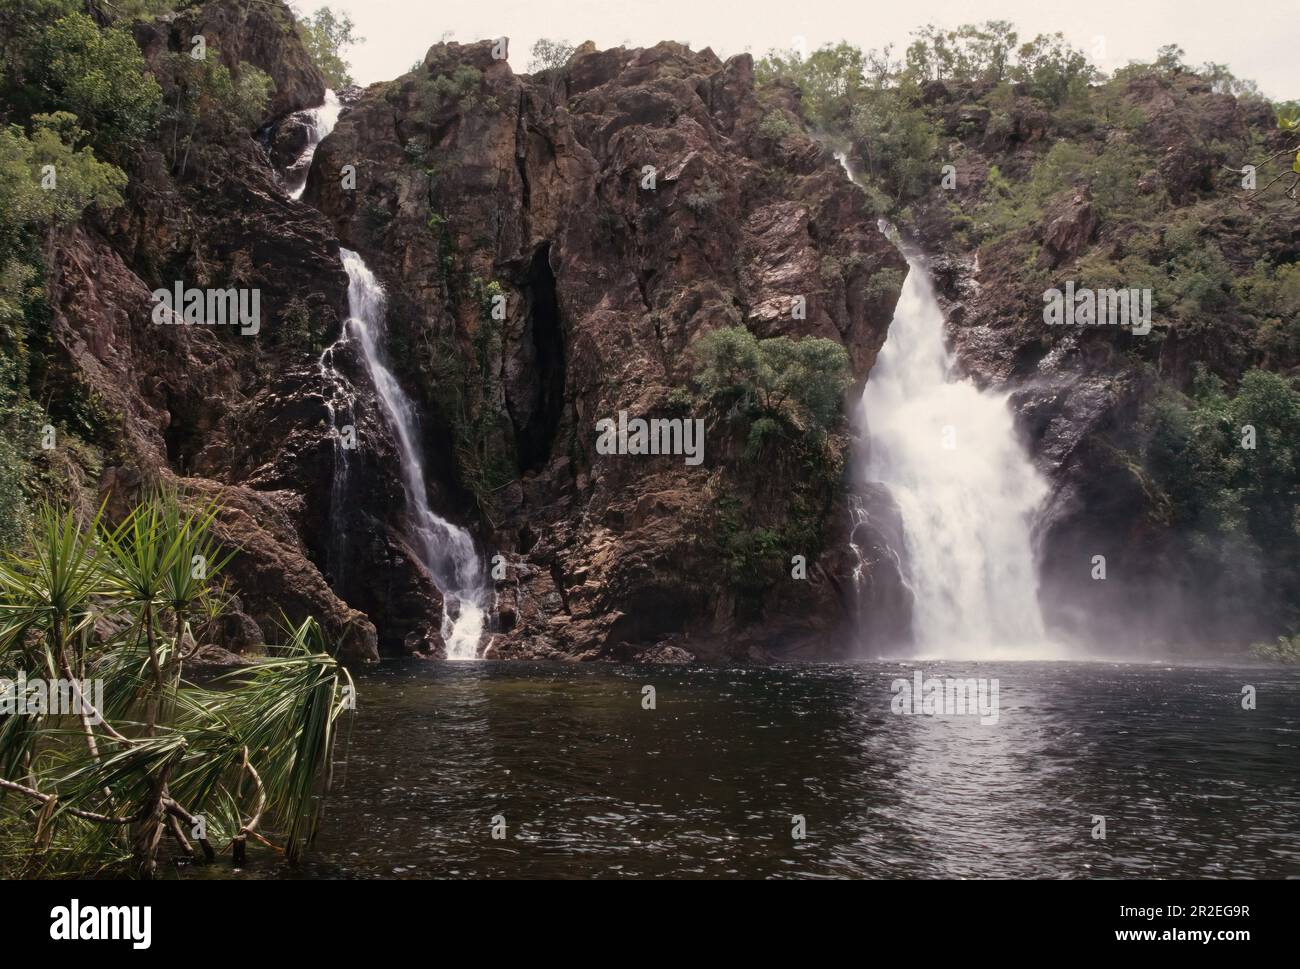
(623, 208)
(222, 415)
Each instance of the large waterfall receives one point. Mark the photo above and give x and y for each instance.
(965, 489)
(949, 455)
(446, 550)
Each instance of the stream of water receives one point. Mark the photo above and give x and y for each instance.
(320, 122)
(949, 454)
(967, 492)
(445, 549)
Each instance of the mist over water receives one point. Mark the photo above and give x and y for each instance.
(967, 492)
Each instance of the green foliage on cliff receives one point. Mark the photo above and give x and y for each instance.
(704, 196)
(327, 35)
(98, 75)
(460, 89)
(208, 102)
(786, 397)
(1227, 467)
(46, 181)
(799, 382)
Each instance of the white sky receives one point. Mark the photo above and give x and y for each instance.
(1256, 38)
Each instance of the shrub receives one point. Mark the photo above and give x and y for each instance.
(92, 602)
(100, 76)
(800, 382)
(775, 126)
(704, 195)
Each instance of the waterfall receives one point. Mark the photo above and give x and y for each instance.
(338, 404)
(320, 122)
(949, 455)
(966, 491)
(446, 550)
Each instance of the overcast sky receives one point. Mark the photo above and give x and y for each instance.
(1257, 39)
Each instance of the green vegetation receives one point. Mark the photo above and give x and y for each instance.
(775, 126)
(549, 55)
(327, 35)
(704, 195)
(800, 383)
(67, 63)
(460, 88)
(1226, 471)
(106, 788)
(209, 102)
(46, 181)
(786, 397)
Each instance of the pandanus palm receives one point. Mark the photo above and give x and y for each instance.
(48, 597)
(248, 758)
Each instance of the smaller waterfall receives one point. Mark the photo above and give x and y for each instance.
(338, 403)
(446, 550)
(320, 123)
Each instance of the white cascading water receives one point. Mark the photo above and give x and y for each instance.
(320, 123)
(446, 550)
(967, 492)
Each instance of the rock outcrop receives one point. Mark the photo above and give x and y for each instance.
(213, 412)
(623, 207)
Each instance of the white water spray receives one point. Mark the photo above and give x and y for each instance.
(446, 550)
(949, 455)
(320, 123)
(966, 490)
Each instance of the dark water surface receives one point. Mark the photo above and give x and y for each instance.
(591, 785)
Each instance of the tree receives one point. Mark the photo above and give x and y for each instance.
(149, 754)
(828, 79)
(326, 35)
(1053, 70)
(800, 382)
(549, 55)
(99, 76)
